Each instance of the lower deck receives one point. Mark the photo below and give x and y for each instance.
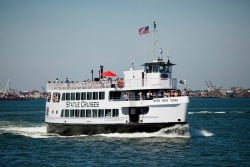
(164, 110)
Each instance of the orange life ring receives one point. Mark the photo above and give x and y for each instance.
(120, 83)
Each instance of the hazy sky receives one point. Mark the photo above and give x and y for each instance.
(44, 39)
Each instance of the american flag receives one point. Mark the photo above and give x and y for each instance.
(144, 30)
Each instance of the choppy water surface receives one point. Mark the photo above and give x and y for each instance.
(219, 132)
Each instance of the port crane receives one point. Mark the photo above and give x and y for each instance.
(212, 91)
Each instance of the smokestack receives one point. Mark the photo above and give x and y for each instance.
(101, 71)
(92, 75)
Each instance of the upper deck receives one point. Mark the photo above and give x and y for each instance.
(155, 75)
(148, 83)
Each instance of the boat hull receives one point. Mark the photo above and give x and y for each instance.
(93, 129)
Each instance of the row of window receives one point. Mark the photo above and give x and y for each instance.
(88, 113)
(83, 96)
(157, 68)
(76, 96)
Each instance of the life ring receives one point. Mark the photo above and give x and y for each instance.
(120, 83)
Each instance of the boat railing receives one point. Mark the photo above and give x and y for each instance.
(80, 85)
(130, 83)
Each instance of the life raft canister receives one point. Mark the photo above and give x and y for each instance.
(120, 83)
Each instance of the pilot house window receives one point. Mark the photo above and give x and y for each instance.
(148, 69)
(155, 68)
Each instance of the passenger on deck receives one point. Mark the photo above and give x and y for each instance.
(125, 96)
(159, 94)
(166, 94)
(174, 93)
(140, 95)
(67, 80)
(149, 95)
(154, 94)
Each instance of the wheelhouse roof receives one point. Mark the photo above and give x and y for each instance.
(168, 63)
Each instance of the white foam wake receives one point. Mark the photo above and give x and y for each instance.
(177, 131)
(202, 132)
(207, 112)
(33, 132)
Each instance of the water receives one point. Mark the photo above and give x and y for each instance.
(219, 132)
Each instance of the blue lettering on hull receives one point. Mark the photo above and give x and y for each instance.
(82, 104)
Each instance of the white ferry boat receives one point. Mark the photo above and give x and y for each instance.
(145, 100)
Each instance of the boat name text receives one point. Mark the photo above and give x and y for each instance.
(82, 104)
(166, 100)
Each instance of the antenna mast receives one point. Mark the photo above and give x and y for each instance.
(154, 42)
